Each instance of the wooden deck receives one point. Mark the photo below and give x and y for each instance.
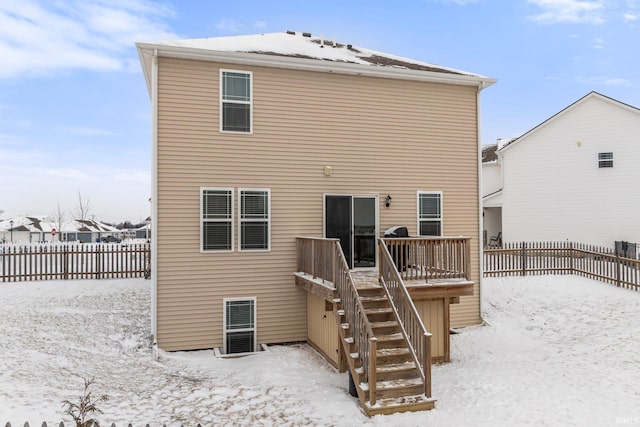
(393, 323)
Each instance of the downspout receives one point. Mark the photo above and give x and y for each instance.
(480, 210)
(154, 200)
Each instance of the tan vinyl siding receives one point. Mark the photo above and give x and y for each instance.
(380, 136)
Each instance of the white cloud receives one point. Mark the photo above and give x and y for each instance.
(607, 81)
(68, 173)
(85, 131)
(260, 24)
(569, 11)
(598, 43)
(629, 17)
(133, 176)
(459, 2)
(619, 82)
(230, 25)
(42, 38)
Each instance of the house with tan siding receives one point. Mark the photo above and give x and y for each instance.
(279, 160)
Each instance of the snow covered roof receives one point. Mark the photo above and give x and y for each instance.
(303, 51)
(86, 226)
(33, 223)
(39, 223)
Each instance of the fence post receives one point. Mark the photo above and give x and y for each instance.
(618, 266)
(65, 261)
(524, 258)
(572, 255)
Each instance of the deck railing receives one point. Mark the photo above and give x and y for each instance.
(412, 326)
(424, 258)
(323, 259)
(524, 258)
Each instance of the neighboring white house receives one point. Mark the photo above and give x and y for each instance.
(573, 177)
(21, 229)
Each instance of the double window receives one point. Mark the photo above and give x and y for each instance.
(605, 160)
(236, 101)
(239, 325)
(429, 213)
(217, 219)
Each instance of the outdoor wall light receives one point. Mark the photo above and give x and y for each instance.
(387, 202)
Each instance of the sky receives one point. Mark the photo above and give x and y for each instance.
(75, 113)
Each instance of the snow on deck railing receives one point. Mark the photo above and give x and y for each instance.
(527, 258)
(73, 261)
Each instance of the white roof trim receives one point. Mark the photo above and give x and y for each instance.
(146, 52)
(562, 112)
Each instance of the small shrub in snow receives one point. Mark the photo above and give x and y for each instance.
(81, 411)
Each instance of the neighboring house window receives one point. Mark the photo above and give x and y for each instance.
(605, 160)
(255, 219)
(429, 213)
(217, 219)
(235, 101)
(239, 325)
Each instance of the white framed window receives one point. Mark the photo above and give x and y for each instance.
(254, 219)
(605, 160)
(216, 219)
(429, 213)
(236, 101)
(239, 325)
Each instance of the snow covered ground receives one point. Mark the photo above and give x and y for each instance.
(558, 350)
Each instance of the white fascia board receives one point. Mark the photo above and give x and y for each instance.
(294, 63)
(146, 60)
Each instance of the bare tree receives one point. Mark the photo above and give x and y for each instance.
(83, 207)
(58, 218)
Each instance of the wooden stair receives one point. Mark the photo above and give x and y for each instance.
(399, 385)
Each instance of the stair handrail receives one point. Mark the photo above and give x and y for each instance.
(327, 261)
(411, 324)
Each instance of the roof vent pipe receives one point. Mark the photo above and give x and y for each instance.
(306, 34)
(293, 33)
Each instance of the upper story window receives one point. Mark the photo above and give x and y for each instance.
(236, 101)
(216, 219)
(605, 160)
(429, 213)
(255, 219)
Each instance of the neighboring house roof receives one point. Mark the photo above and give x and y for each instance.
(39, 224)
(588, 96)
(87, 226)
(489, 153)
(303, 51)
(34, 224)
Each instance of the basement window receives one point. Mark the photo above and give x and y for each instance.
(239, 325)
(605, 160)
